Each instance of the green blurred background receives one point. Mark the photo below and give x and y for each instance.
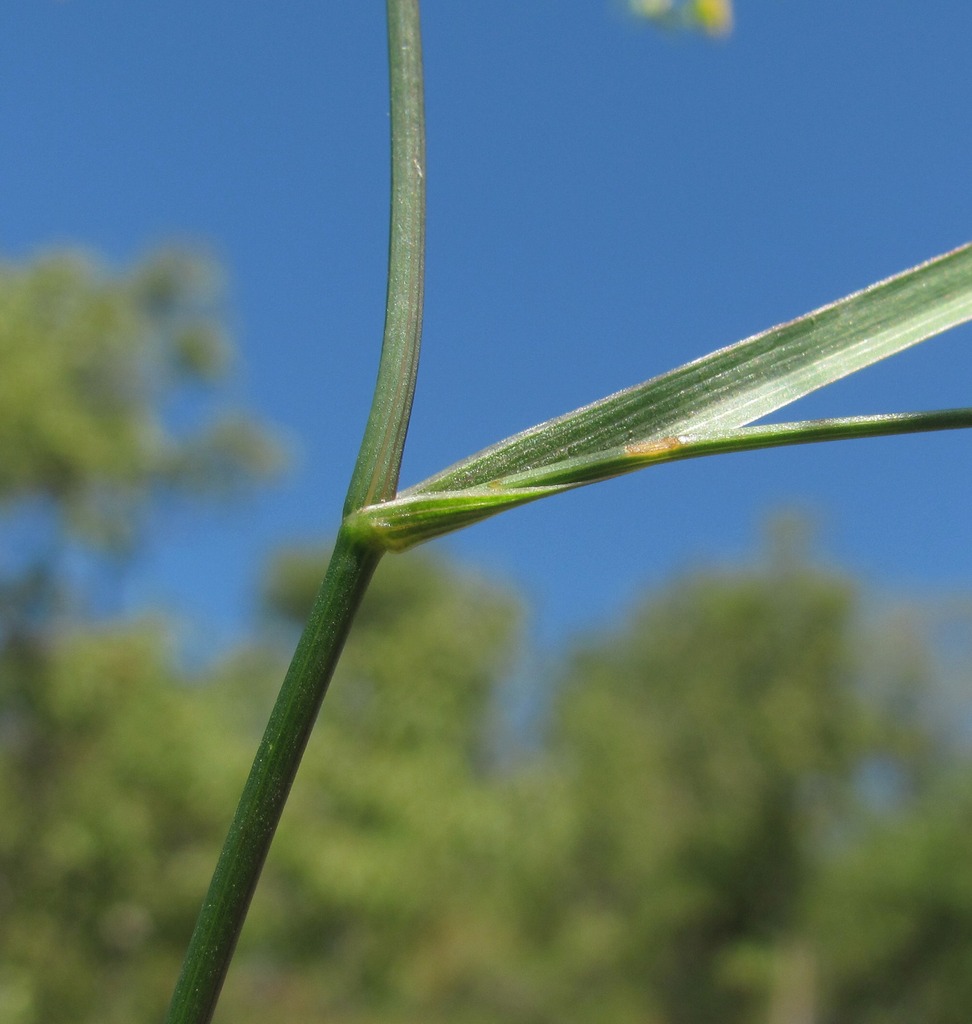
(749, 802)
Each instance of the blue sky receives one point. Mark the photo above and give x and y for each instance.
(605, 202)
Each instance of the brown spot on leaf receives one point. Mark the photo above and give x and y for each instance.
(657, 446)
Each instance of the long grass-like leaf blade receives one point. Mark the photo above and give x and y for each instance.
(740, 384)
(411, 519)
(603, 465)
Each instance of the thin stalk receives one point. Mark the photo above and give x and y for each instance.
(277, 759)
(375, 476)
(352, 562)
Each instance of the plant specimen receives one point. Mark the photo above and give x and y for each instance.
(706, 407)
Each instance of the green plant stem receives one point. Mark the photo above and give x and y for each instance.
(375, 476)
(274, 768)
(353, 561)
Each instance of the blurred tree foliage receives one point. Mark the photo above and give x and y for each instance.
(737, 809)
(90, 363)
(113, 781)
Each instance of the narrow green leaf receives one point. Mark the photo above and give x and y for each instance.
(744, 382)
(601, 466)
(412, 519)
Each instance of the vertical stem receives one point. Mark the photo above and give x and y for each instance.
(277, 759)
(375, 478)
